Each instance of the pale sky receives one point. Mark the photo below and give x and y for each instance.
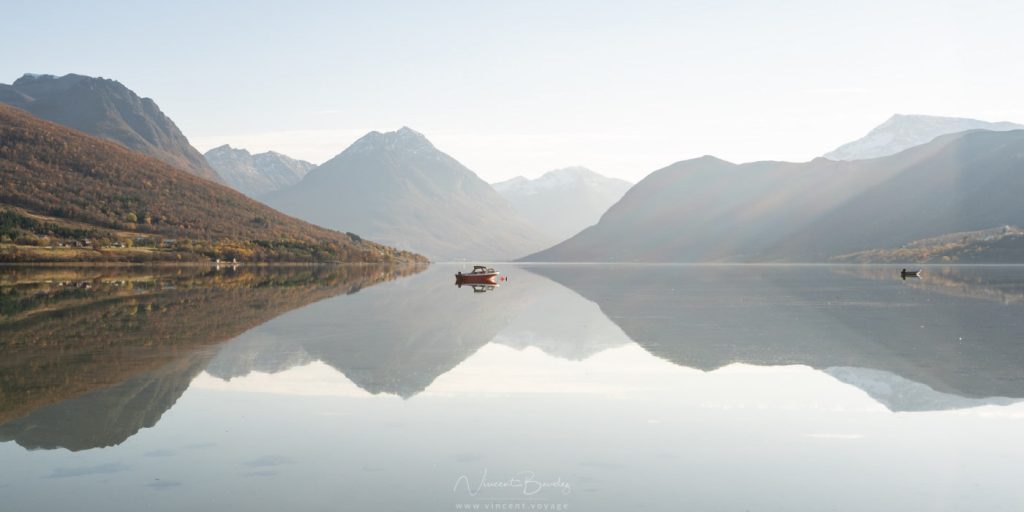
(523, 87)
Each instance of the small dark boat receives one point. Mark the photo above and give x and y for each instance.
(909, 273)
(479, 275)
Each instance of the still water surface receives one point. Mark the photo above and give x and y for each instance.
(570, 387)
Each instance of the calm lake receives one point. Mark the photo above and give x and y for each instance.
(568, 387)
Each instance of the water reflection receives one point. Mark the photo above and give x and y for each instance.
(616, 378)
(991, 283)
(940, 333)
(90, 356)
(479, 288)
(394, 339)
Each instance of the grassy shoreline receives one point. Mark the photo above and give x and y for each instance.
(27, 255)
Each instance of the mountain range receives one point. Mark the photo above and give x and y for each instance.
(910, 180)
(107, 109)
(399, 189)
(708, 209)
(564, 201)
(256, 175)
(59, 186)
(902, 132)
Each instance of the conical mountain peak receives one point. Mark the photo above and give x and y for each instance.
(403, 139)
(397, 186)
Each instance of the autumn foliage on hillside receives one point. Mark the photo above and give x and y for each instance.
(1004, 244)
(60, 173)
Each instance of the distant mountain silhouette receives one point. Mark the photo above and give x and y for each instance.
(132, 339)
(562, 202)
(63, 185)
(256, 175)
(107, 109)
(709, 317)
(398, 188)
(711, 210)
(902, 132)
(962, 182)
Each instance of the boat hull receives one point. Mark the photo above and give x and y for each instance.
(476, 278)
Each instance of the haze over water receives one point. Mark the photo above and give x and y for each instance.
(573, 387)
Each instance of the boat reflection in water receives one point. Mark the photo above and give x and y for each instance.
(914, 274)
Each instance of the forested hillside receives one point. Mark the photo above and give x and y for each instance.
(64, 190)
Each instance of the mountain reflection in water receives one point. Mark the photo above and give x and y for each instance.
(935, 332)
(92, 356)
(637, 386)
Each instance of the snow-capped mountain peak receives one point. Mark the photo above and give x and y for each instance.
(259, 174)
(901, 132)
(404, 139)
(558, 179)
(563, 201)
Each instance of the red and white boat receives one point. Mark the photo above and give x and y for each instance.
(479, 275)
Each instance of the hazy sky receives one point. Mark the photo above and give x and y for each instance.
(523, 87)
